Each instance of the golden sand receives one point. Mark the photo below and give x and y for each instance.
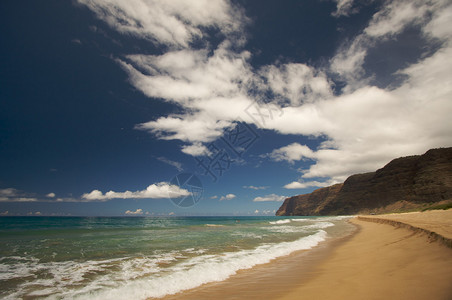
(385, 262)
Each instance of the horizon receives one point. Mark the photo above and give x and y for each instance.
(218, 108)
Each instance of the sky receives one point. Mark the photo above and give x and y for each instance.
(212, 107)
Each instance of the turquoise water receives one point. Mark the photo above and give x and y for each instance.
(136, 258)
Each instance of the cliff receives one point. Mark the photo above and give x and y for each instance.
(405, 183)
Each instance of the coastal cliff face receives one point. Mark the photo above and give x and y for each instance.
(404, 183)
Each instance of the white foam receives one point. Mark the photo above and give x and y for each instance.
(248, 235)
(334, 218)
(319, 225)
(62, 277)
(285, 229)
(292, 229)
(193, 272)
(285, 221)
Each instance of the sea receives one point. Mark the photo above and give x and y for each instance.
(144, 257)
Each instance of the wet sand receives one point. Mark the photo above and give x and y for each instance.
(379, 261)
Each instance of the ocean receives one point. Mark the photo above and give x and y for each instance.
(138, 258)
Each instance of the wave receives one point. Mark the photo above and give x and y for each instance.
(285, 221)
(143, 277)
(203, 269)
(292, 229)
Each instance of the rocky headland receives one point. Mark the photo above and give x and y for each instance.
(406, 183)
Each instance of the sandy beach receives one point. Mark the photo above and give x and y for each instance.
(385, 262)
(379, 261)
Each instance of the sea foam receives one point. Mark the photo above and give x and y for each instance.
(195, 272)
(285, 221)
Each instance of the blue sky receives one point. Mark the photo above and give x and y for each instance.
(103, 103)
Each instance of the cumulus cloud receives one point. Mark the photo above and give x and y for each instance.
(292, 152)
(227, 197)
(138, 211)
(392, 19)
(367, 126)
(14, 195)
(364, 125)
(296, 83)
(50, 195)
(174, 23)
(154, 191)
(307, 184)
(37, 213)
(271, 197)
(252, 187)
(196, 149)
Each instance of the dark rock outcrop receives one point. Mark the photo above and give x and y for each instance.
(404, 183)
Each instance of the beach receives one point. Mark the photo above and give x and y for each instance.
(378, 261)
(364, 257)
(144, 257)
(385, 262)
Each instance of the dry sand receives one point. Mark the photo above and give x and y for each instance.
(439, 221)
(385, 262)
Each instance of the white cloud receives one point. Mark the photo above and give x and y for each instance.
(227, 197)
(364, 126)
(307, 184)
(50, 195)
(196, 149)
(271, 197)
(256, 211)
(292, 153)
(14, 195)
(9, 192)
(154, 191)
(175, 164)
(138, 211)
(367, 126)
(395, 16)
(173, 23)
(252, 187)
(214, 197)
(211, 88)
(171, 214)
(298, 83)
(344, 8)
(348, 63)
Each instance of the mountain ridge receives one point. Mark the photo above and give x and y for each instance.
(405, 183)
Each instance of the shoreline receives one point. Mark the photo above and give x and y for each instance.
(269, 280)
(381, 259)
